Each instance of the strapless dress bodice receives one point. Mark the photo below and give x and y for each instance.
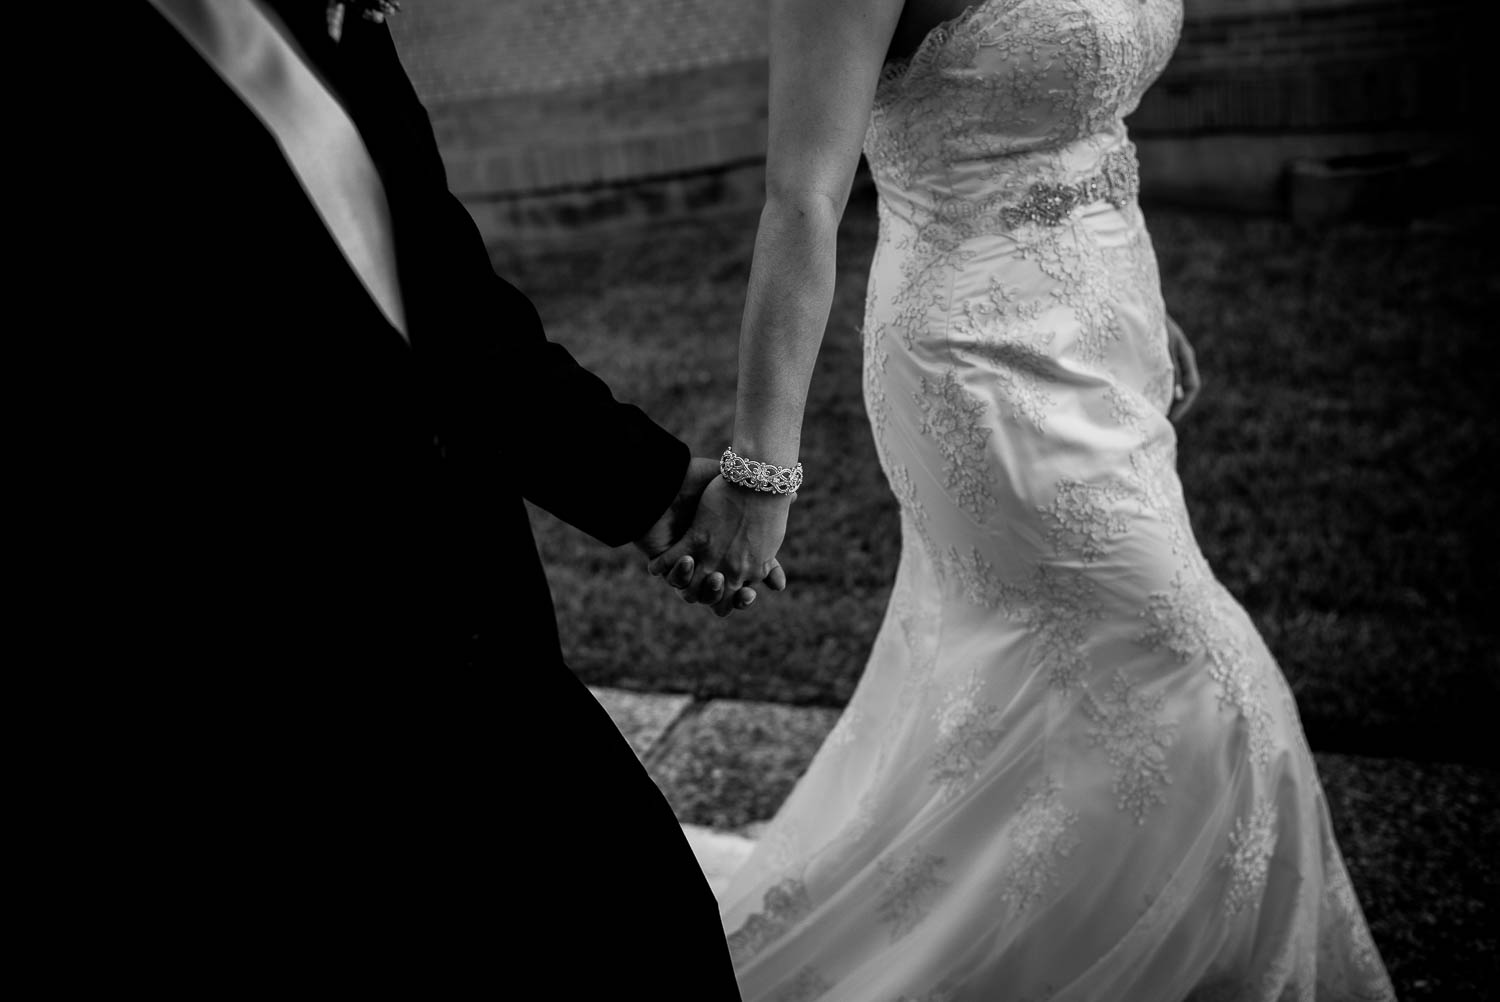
(1016, 94)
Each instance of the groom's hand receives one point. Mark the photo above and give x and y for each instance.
(735, 535)
(676, 521)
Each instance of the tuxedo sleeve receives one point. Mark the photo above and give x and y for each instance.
(508, 396)
(553, 428)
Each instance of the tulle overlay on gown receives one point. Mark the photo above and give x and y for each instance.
(1072, 770)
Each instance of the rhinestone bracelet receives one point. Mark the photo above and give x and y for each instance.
(759, 476)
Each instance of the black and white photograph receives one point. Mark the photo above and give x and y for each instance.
(761, 500)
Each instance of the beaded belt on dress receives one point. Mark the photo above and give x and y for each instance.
(1046, 203)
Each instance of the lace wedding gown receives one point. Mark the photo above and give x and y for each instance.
(1072, 770)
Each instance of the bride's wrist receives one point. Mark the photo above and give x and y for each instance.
(758, 475)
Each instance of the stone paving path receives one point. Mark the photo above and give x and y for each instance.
(1420, 838)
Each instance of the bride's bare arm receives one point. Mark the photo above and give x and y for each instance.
(826, 57)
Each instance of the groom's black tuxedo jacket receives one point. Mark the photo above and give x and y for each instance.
(311, 699)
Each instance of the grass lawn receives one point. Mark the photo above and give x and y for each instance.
(1335, 466)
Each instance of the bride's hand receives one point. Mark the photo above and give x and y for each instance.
(734, 537)
(1185, 380)
(675, 521)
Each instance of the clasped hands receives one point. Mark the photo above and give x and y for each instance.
(717, 541)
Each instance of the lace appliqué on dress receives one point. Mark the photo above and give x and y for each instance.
(1199, 619)
(784, 905)
(1003, 333)
(939, 994)
(912, 887)
(914, 520)
(1041, 836)
(1345, 971)
(967, 731)
(1086, 518)
(929, 260)
(1126, 408)
(1062, 607)
(1153, 472)
(1059, 605)
(1021, 381)
(955, 421)
(1088, 286)
(974, 575)
(845, 729)
(1251, 842)
(875, 359)
(1128, 727)
(808, 985)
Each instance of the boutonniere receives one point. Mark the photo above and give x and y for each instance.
(370, 10)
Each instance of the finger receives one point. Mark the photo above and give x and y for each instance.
(1174, 355)
(681, 573)
(669, 557)
(686, 577)
(711, 590)
(681, 581)
(1189, 394)
(726, 605)
(733, 586)
(744, 598)
(698, 586)
(1190, 383)
(776, 577)
(1180, 402)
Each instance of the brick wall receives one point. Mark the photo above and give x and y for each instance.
(564, 96)
(652, 126)
(1275, 66)
(1258, 89)
(535, 98)
(473, 48)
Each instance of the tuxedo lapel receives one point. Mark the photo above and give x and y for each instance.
(364, 74)
(220, 155)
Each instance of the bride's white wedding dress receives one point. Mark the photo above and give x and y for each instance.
(1071, 771)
